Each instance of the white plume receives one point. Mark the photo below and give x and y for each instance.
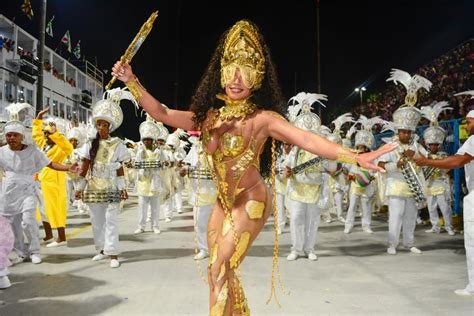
(416, 82)
(431, 112)
(302, 103)
(341, 120)
(469, 92)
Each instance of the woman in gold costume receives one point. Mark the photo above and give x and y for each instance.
(237, 107)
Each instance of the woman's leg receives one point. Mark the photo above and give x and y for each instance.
(249, 215)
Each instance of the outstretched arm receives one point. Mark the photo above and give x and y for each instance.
(451, 162)
(280, 129)
(174, 118)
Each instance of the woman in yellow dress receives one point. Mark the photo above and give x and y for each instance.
(237, 107)
(53, 183)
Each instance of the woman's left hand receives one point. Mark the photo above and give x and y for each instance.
(366, 160)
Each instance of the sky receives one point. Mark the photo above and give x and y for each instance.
(360, 41)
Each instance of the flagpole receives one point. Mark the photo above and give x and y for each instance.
(40, 54)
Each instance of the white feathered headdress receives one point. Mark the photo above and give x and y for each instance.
(434, 134)
(411, 84)
(365, 136)
(21, 112)
(469, 92)
(302, 103)
(432, 111)
(341, 120)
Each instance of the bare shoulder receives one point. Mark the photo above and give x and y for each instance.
(268, 115)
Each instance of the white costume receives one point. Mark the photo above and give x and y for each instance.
(281, 185)
(202, 200)
(403, 208)
(102, 192)
(304, 188)
(174, 153)
(18, 196)
(148, 179)
(362, 187)
(438, 193)
(468, 211)
(81, 136)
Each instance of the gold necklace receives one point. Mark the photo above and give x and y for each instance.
(238, 109)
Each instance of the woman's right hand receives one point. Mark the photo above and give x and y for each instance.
(122, 71)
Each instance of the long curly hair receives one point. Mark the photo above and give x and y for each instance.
(93, 151)
(268, 97)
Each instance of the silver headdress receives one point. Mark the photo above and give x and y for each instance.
(407, 116)
(347, 140)
(108, 109)
(300, 112)
(19, 115)
(365, 136)
(434, 134)
(338, 122)
(149, 129)
(78, 133)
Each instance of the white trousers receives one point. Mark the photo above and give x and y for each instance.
(433, 203)
(175, 202)
(105, 227)
(354, 201)
(70, 192)
(402, 213)
(280, 205)
(201, 216)
(469, 238)
(151, 204)
(25, 222)
(338, 198)
(304, 224)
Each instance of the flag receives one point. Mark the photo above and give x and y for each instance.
(26, 7)
(67, 40)
(49, 27)
(77, 50)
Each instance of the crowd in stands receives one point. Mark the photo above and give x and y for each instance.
(450, 73)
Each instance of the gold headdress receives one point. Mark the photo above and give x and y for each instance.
(242, 50)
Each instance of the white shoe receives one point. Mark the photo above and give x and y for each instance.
(180, 211)
(201, 255)
(56, 244)
(47, 241)
(415, 250)
(312, 256)
(156, 230)
(368, 230)
(464, 292)
(35, 258)
(5, 282)
(419, 220)
(347, 230)
(99, 256)
(17, 259)
(292, 256)
(138, 231)
(114, 263)
(341, 219)
(328, 220)
(168, 219)
(450, 232)
(391, 250)
(432, 230)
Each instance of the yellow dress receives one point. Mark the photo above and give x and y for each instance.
(53, 183)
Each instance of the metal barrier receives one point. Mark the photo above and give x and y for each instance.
(450, 146)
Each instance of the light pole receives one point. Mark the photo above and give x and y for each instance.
(360, 91)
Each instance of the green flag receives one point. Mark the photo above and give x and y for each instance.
(66, 40)
(49, 27)
(77, 50)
